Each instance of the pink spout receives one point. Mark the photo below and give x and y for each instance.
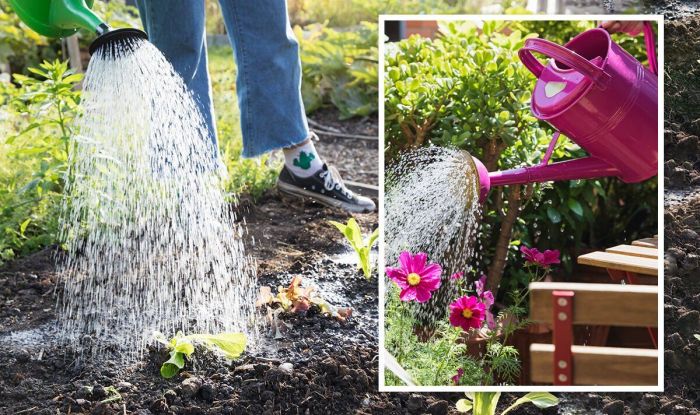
(577, 169)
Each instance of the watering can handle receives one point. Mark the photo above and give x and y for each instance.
(651, 49)
(560, 53)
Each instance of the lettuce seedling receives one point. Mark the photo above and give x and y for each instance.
(485, 403)
(181, 347)
(362, 246)
(296, 298)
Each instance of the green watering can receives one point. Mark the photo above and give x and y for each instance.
(62, 18)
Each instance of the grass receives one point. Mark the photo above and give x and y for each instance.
(246, 176)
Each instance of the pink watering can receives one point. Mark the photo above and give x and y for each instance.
(599, 96)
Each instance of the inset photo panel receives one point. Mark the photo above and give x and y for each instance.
(521, 203)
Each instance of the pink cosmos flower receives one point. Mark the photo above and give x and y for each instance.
(467, 312)
(486, 297)
(457, 275)
(456, 378)
(542, 259)
(416, 279)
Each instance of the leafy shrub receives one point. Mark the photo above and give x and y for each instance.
(349, 12)
(468, 89)
(35, 154)
(20, 46)
(339, 68)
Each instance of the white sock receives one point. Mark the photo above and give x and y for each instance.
(302, 160)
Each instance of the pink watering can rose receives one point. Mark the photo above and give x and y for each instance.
(415, 277)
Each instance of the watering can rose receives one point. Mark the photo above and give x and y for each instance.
(415, 277)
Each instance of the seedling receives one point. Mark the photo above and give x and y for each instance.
(181, 347)
(113, 395)
(485, 403)
(362, 246)
(296, 299)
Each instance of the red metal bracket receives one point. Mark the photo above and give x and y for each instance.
(616, 275)
(563, 308)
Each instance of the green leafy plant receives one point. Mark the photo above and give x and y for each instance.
(348, 12)
(182, 347)
(39, 112)
(339, 68)
(295, 299)
(20, 46)
(485, 403)
(428, 363)
(362, 246)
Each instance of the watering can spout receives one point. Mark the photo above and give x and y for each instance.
(62, 18)
(59, 18)
(577, 169)
(68, 14)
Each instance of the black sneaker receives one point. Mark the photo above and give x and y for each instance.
(326, 187)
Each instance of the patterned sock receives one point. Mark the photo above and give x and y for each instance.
(302, 160)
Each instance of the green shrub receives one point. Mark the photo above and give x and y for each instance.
(39, 113)
(20, 46)
(339, 68)
(350, 12)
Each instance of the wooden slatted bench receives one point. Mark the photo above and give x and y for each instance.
(567, 304)
(648, 242)
(636, 264)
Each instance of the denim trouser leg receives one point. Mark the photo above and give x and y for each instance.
(269, 74)
(183, 43)
(267, 55)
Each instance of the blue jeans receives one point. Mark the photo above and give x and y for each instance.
(267, 56)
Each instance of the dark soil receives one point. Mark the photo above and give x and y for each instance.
(355, 159)
(321, 365)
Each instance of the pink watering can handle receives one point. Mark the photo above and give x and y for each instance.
(651, 49)
(562, 54)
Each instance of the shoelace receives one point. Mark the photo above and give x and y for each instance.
(332, 180)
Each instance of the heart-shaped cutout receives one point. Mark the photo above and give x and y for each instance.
(553, 88)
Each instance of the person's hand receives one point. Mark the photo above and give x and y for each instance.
(632, 28)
